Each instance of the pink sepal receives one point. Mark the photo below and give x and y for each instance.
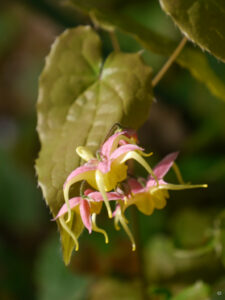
(104, 166)
(97, 196)
(85, 214)
(135, 186)
(64, 209)
(107, 146)
(78, 171)
(124, 149)
(152, 182)
(164, 165)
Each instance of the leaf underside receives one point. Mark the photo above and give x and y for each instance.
(202, 21)
(80, 98)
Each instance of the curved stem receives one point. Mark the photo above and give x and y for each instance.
(114, 41)
(169, 62)
(177, 173)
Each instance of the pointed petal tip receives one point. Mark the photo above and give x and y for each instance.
(133, 247)
(146, 154)
(110, 215)
(66, 261)
(69, 217)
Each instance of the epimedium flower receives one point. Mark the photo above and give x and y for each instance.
(108, 168)
(153, 194)
(88, 206)
(148, 194)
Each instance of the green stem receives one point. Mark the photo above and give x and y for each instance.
(114, 40)
(169, 62)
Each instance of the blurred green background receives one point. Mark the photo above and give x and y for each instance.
(184, 116)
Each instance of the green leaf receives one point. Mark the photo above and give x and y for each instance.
(198, 291)
(202, 21)
(54, 280)
(197, 63)
(190, 58)
(80, 98)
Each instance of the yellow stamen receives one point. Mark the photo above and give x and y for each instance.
(178, 173)
(84, 153)
(71, 234)
(100, 184)
(97, 229)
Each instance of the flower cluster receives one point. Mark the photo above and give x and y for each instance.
(106, 177)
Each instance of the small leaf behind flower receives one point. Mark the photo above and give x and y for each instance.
(80, 98)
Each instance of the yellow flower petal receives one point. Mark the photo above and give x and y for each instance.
(84, 153)
(144, 203)
(159, 199)
(101, 187)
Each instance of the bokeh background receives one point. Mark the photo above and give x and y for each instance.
(184, 117)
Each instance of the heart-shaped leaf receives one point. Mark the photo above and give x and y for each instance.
(80, 98)
(202, 21)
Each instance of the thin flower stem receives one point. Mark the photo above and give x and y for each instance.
(114, 41)
(139, 253)
(178, 173)
(169, 62)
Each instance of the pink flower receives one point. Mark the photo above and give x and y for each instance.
(154, 193)
(148, 194)
(106, 170)
(88, 207)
